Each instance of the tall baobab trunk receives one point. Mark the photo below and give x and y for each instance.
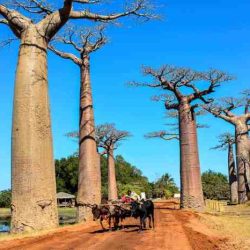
(89, 185)
(191, 188)
(232, 175)
(33, 173)
(112, 186)
(242, 158)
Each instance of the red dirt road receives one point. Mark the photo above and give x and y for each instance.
(174, 230)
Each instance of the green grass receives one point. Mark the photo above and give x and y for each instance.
(4, 212)
(67, 211)
(62, 211)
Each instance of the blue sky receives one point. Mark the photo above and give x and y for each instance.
(197, 34)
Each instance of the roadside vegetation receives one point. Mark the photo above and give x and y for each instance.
(5, 198)
(215, 186)
(128, 177)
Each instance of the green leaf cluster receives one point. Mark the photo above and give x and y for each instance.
(128, 177)
(67, 174)
(5, 198)
(165, 187)
(215, 185)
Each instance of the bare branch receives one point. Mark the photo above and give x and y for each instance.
(4, 21)
(163, 135)
(137, 84)
(169, 105)
(163, 78)
(229, 103)
(102, 40)
(34, 6)
(169, 100)
(199, 125)
(72, 36)
(173, 79)
(183, 76)
(214, 78)
(172, 114)
(225, 140)
(107, 136)
(83, 41)
(74, 134)
(16, 20)
(54, 21)
(87, 1)
(7, 42)
(200, 112)
(217, 111)
(92, 39)
(64, 55)
(140, 8)
(224, 109)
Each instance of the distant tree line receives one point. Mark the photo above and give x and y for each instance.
(128, 178)
(214, 184)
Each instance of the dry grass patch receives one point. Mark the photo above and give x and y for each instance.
(237, 228)
(4, 212)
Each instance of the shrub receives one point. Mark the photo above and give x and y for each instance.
(215, 185)
(5, 198)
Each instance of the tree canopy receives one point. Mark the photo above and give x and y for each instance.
(5, 198)
(128, 177)
(215, 185)
(67, 174)
(165, 187)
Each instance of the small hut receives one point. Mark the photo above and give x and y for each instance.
(65, 200)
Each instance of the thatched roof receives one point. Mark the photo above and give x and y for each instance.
(62, 195)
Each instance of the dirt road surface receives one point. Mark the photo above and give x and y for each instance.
(174, 230)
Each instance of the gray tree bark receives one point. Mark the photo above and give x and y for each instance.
(112, 185)
(33, 177)
(33, 174)
(242, 158)
(89, 185)
(191, 188)
(232, 175)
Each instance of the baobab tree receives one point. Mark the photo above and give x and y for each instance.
(226, 142)
(180, 81)
(108, 138)
(34, 23)
(224, 109)
(84, 42)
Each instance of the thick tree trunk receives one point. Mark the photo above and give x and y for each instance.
(191, 188)
(34, 204)
(242, 159)
(232, 175)
(89, 184)
(112, 186)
